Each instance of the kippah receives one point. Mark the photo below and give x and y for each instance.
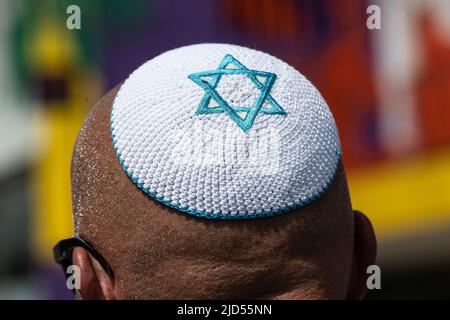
(224, 132)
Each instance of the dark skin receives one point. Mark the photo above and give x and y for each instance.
(320, 251)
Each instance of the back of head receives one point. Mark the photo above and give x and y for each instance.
(152, 201)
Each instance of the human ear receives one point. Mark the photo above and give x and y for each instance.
(95, 283)
(364, 255)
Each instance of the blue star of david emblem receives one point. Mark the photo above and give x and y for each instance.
(243, 116)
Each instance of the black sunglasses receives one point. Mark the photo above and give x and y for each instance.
(63, 251)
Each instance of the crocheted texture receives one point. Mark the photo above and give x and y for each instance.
(224, 132)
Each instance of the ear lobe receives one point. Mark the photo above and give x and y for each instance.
(364, 255)
(95, 284)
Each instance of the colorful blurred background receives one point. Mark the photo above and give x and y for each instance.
(389, 90)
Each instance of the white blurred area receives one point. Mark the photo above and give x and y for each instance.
(15, 119)
(399, 60)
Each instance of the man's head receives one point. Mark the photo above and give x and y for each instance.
(314, 251)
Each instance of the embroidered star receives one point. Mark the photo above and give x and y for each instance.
(243, 116)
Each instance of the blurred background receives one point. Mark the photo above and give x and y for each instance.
(388, 89)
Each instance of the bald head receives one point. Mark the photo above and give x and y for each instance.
(155, 252)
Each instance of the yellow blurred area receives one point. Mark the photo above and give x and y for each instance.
(52, 208)
(407, 196)
(56, 53)
(51, 176)
(51, 182)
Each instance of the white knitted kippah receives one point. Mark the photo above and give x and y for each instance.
(224, 132)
